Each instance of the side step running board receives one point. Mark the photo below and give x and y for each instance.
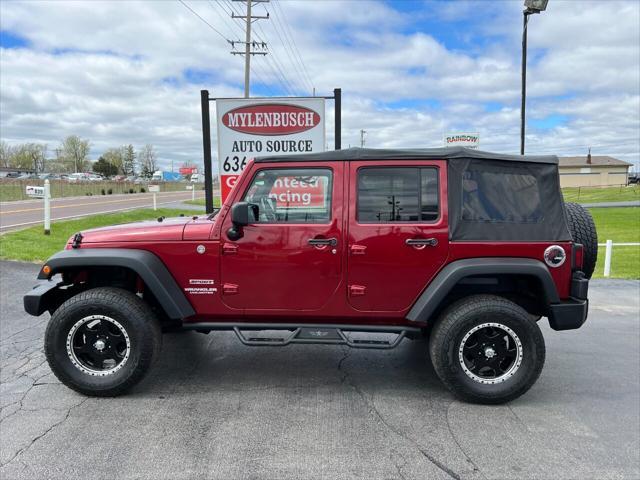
(310, 334)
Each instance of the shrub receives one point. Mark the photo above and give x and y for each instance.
(131, 190)
(103, 191)
(142, 190)
(110, 191)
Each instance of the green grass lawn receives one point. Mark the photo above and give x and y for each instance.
(622, 225)
(31, 245)
(606, 194)
(200, 201)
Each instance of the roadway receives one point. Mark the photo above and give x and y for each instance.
(212, 408)
(25, 213)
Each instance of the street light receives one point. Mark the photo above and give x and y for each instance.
(530, 7)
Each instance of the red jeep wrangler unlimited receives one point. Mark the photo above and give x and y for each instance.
(467, 248)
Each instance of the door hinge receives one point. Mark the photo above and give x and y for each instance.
(357, 290)
(229, 249)
(230, 289)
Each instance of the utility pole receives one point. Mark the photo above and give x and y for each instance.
(362, 140)
(531, 7)
(249, 18)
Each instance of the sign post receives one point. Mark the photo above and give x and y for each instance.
(44, 193)
(155, 189)
(47, 207)
(193, 191)
(262, 126)
(206, 146)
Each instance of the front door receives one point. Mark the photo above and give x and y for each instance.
(398, 235)
(289, 258)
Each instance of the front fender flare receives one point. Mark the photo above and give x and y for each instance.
(442, 284)
(148, 266)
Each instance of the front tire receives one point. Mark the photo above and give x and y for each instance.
(102, 341)
(487, 349)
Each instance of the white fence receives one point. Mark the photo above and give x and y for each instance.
(609, 251)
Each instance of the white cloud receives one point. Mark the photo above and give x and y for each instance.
(114, 72)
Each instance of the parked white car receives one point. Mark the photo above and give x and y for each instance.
(77, 178)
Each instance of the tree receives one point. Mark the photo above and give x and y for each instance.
(129, 160)
(104, 168)
(37, 153)
(75, 152)
(148, 161)
(28, 156)
(5, 154)
(115, 156)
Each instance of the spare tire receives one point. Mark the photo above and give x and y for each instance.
(583, 231)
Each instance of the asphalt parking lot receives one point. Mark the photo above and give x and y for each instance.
(212, 408)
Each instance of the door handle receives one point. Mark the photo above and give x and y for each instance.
(318, 242)
(421, 242)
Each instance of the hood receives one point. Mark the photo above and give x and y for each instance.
(169, 229)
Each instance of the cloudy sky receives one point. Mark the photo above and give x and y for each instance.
(124, 72)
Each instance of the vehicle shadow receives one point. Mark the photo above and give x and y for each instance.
(196, 363)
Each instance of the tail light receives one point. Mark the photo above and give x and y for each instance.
(578, 256)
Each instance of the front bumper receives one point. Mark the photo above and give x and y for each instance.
(39, 299)
(571, 314)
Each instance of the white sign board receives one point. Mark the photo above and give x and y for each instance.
(249, 128)
(34, 191)
(154, 188)
(189, 187)
(469, 140)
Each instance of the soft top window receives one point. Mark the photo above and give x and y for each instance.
(496, 200)
(494, 196)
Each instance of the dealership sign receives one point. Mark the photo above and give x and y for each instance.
(249, 128)
(469, 140)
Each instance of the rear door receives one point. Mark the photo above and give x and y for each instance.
(290, 258)
(398, 235)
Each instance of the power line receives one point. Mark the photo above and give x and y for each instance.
(207, 23)
(273, 63)
(258, 48)
(273, 75)
(219, 33)
(288, 51)
(279, 66)
(296, 49)
(224, 17)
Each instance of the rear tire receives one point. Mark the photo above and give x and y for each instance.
(583, 231)
(102, 341)
(487, 349)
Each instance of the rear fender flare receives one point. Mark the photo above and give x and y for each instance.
(449, 276)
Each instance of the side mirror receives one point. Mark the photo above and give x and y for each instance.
(242, 214)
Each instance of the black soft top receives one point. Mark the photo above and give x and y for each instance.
(444, 153)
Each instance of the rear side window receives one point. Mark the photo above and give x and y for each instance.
(390, 194)
(500, 197)
(291, 195)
